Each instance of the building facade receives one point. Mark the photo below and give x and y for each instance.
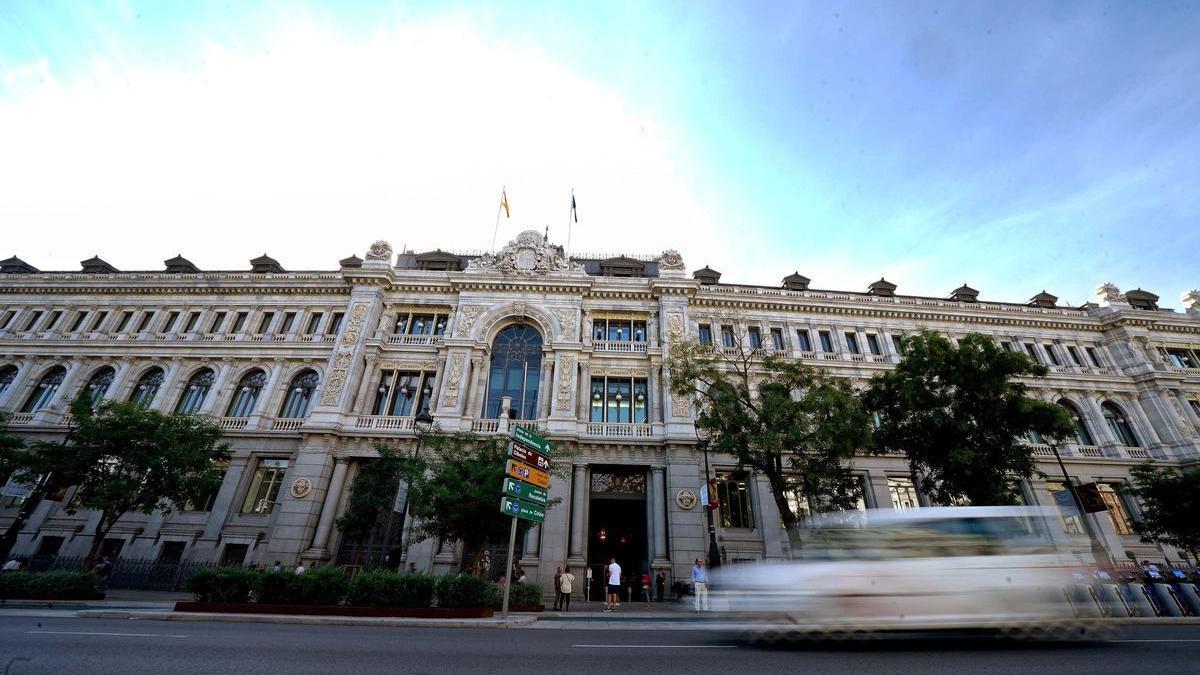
(305, 371)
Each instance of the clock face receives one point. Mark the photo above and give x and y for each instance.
(526, 259)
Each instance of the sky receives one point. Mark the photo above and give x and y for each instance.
(1014, 146)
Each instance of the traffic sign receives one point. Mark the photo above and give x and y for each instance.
(524, 454)
(531, 440)
(515, 488)
(529, 474)
(522, 510)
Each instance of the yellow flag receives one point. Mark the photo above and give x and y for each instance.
(504, 202)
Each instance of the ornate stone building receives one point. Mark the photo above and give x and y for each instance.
(306, 370)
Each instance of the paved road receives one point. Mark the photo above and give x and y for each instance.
(67, 645)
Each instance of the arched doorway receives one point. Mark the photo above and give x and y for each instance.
(516, 371)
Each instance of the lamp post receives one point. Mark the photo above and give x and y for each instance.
(714, 553)
(422, 424)
(1098, 552)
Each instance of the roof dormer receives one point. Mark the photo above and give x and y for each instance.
(622, 266)
(94, 265)
(1139, 299)
(707, 276)
(796, 282)
(1043, 299)
(264, 264)
(180, 265)
(15, 265)
(964, 293)
(883, 288)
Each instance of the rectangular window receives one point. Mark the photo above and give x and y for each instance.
(234, 555)
(1116, 508)
(421, 324)
(314, 322)
(288, 320)
(265, 324)
(873, 344)
(803, 340)
(53, 320)
(335, 323)
(755, 335)
(78, 321)
(191, 322)
(1066, 507)
(171, 319)
(7, 319)
(618, 400)
(1095, 357)
(1052, 354)
(100, 317)
(733, 495)
(705, 334)
(777, 339)
(145, 322)
(171, 551)
(898, 342)
(217, 323)
(264, 486)
(403, 394)
(826, 341)
(904, 493)
(1032, 352)
(852, 342)
(727, 336)
(126, 317)
(1006, 346)
(49, 546)
(33, 319)
(1074, 354)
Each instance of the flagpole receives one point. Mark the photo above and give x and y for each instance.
(570, 213)
(496, 229)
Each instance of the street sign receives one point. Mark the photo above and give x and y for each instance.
(531, 440)
(515, 488)
(529, 474)
(524, 454)
(522, 510)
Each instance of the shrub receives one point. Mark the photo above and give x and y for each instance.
(221, 584)
(524, 595)
(385, 588)
(56, 585)
(323, 586)
(280, 588)
(464, 591)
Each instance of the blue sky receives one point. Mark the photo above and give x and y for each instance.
(1014, 146)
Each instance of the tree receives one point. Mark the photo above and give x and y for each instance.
(127, 459)
(1170, 505)
(373, 490)
(790, 423)
(959, 414)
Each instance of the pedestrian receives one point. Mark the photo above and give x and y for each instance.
(13, 565)
(102, 570)
(566, 584)
(614, 586)
(300, 569)
(412, 568)
(700, 585)
(646, 591)
(557, 591)
(277, 567)
(587, 589)
(660, 584)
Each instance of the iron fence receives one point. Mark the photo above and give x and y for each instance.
(142, 574)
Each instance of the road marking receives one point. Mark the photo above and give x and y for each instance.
(1156, 640)
(656, 646)
(80, 632)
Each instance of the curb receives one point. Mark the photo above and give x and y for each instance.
(390, 622)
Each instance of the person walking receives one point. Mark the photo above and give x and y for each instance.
(660, 584)
(103, 569)
(614, 586)
(566, 583)
(700, 585)
(647, 590)
(557, 590)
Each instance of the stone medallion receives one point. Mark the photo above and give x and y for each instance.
(301, 487)
(686, 499)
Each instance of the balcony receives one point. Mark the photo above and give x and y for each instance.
(623, 430)
(231, 423)
(626, 346)
(486, 427)
(415, 340)
(20, 418)
(289, 424)
(384, 423)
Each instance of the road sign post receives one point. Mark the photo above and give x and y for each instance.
(525, 495)
(512, 541)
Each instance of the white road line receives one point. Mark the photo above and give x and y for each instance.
(656, 646)
(80, 632)
(1156, 640)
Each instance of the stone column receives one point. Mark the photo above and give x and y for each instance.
(654, 395)
(367, 387)
(1188, 411)
(1104, 435)
(1147, 433)
(579, 490)
(320, 544)
(266, 397)
(658, 504)
(533, 542)
(216, 393)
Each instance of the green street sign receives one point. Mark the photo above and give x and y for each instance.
(531, 440)
(522, 510)
(521, 490)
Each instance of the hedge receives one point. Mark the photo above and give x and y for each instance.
(455, 591)
(55, 585)
(384, 588)
(222, 584)
(524, 595)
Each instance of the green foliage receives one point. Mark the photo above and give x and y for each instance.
(127, 459)
(387, 588)
(280, 588)
(1170, 505)
(959, 414)
(524, 595)
(465, 591)
(12, 455)
(373, 490)
(326, 585)
(793, 424)
(55, 585)
(222, 584)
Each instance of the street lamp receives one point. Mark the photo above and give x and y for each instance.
(422, 424)
(714, 553)
(1098, 552)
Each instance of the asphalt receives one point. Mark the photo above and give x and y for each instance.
(64, 644)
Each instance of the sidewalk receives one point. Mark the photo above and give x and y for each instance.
(113, 599)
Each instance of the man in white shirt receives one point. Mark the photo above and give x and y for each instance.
(566, 583)
(614, 585)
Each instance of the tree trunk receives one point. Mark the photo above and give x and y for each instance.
(791, 524)
(102, 529)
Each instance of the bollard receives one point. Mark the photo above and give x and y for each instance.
(1168, 605)
(1112, 601)
(1139, 601)
(1190, 597)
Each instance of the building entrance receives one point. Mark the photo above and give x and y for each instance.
(617, 527)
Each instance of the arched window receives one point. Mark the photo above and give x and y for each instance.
(99, 383)
(197, 389)
(147, 388)
(516, 367)
(246, 394)
(1118, 424)
(300, 395)
(45, 390)
(1082, 435)
(7, 375)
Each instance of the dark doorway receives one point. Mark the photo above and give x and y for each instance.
(617, 527)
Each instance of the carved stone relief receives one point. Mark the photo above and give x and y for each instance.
(380, 250)
(565, 375)
(670, 260)
(450, 399)
(528, 254)
(354, 326)
(337, 378)
(467, 317)
(566, 319)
